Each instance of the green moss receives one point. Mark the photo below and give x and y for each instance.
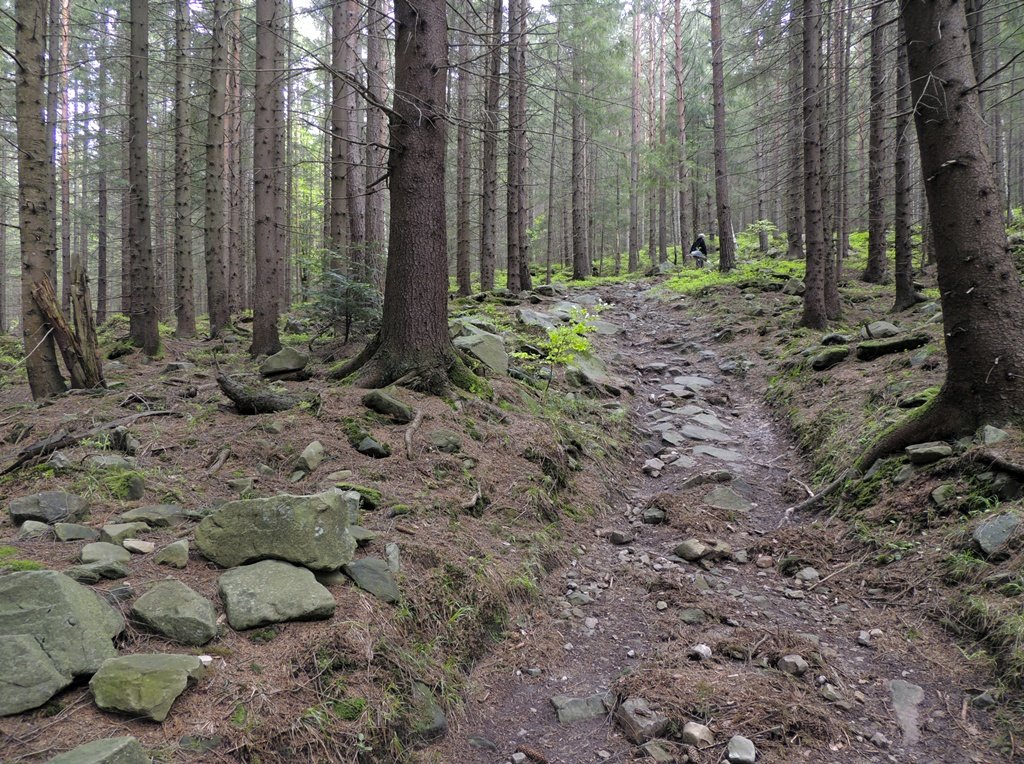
(349, 709)
(120, 483)
(371, 496)
(9, 562)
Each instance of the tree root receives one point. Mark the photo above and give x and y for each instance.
(845, 476)
(411, 431)
(994, 461)
(257, 399)
(938, 420)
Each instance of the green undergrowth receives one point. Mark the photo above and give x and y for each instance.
(759, 271)
(9, 561)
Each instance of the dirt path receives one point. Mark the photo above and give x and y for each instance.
(624, 618)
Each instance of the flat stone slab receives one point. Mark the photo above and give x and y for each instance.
(284, 361)
(724, 497)
(639, 721)
(111, 750)
(872, 349)
(678, 391)
(710, 421)
(375, 577)
(532, 317)
(102, 551)
(725, 454)
(48, 507)
(272, 592)
(91, 572)
(696, 432)
(143, 684)
(75, 532)
(175, 555)
(693, 382)
(993, 536)
(173, 610)
(155, 515)
(906, 697)
(29, 677)
(116, 533)
(572, 710)
(928, 453)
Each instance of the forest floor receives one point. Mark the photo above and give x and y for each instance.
(541, 559)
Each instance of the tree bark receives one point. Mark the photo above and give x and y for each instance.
(489, 186)
(214, 226)
(875, 272)
(355, 181)
(814, 315)
(683, 170)
(462, 180)
(64, 155)
(516, 138)
(35, 198)
(905, 294)
(102, 201)
(579, 233)
(339, 151)
(795, 176)
(144, 330)
(634, 151)
(184, 302)
(376, 142)
(726, 246)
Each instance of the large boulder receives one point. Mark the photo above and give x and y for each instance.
(311, 531)
(993, 536)
(144, 684)
(272, 592)
(285, 361)
(384, 402)
(48, 507)
(175, 611)
(589, 371)
(487, 348)
(154, 515)
(111, 750)
(877, 330)
(29, 678)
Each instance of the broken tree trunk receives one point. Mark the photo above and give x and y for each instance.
(258, 399)
(84, 375)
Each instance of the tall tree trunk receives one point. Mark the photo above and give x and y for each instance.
(523, 154)
(489, 186)
(102, 286)
(875, 272)
(64, 155)
(462, 177)
(579, 233)
(982, 298)
(662, 142)
(555, 100)
(35, 197)
(795, 144)
(727, 246)
(814, 315)
(762, 182)
(340, 229)
(512, 198)
(683, 170)
(376, 141)
(3, 246)
(214, 227)
(143, 324)
(905, 295)
(634, 151)
(184, 302)
(266, 190)
(234, 236)
(355, 181)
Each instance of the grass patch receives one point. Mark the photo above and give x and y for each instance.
(8, 561)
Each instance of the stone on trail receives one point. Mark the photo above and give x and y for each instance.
(426, 718)
(696, 734)
(725, 454)
(173, 610)
(572, 710)
(992, 537)
(943, 495)
(906, 697)
(869, 350)
(33, 529)
(487, 348)
(445, 441)
(387, 404)
(828, 358)
(694, 383)
(834, 338)
(690, 550)
(174, 555)
(990, 435)
(370, 447)
(710, 421)
(639, 721)
(29, 677)
(272, 592)
(532, 317)
(72, 626)
(653, 516)
(374, 576)
(794, 287)
(306, 530)
(587, 370)
(116, 533)
(311, 457)
(879, 330)
(92, 572)
(657, 750)
(101, 551)
(284, 361)
(741, 750)
(928, 453)
(48, 507)
(793, 664)
(725, 498)
(144, 684)
(75, 532)
(692, 616)
(696, 432)
(111, 750)
(137, 546)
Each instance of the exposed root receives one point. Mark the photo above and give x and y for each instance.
(411, 431)
(990, 460)
(939, 420)
(815, 499)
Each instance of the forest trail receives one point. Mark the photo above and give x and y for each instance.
(801, 654)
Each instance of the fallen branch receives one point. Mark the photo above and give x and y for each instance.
(64, 439)
(411, 430)
(847, 474)
(994, 460)
(257, 399)
(218, 461)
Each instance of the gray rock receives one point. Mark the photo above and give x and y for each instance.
(692, 616)
(696, 734)
(589, 371)
(489, 349)
(29, 677)
(426, 717)
(653, 516)
(694, 383)
(71, 624)
(808, 575)
(143, 684)
(741, 750)
(725, 454)
(175, 366)
(690, 550)
(944, 495)
(306, 530)
(992, 537)
(48, 507)
(102, 551)
(826, 359)
(116, 533)
(363, 536)
(879, 330)
(370, 447)
(928, 453)
(695, 432)
(532, 317)
(283, 362)
(272, 592)
(154, 515)
(173, 610)
(393, 557)
(175, 555)
(385, 403)
(990, 435)
(654, 466)
(75, 532)
(659, 751)
(445, 441)
(374, 576)
(906, 697)
(241, 485)
(639, 721)
(138, 546)
(311, 457)
(620, 538)
(834, 338)
(33, 529)
(92, 572)
(725, 498)
(794, 287)
(112, 750)
(572, 710)
(793, 664)
(109, 462)
(869, 350)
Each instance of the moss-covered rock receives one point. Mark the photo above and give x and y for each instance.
(144, 685)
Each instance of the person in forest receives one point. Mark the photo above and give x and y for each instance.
(699, 251)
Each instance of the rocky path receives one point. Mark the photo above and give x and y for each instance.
(695, 597)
